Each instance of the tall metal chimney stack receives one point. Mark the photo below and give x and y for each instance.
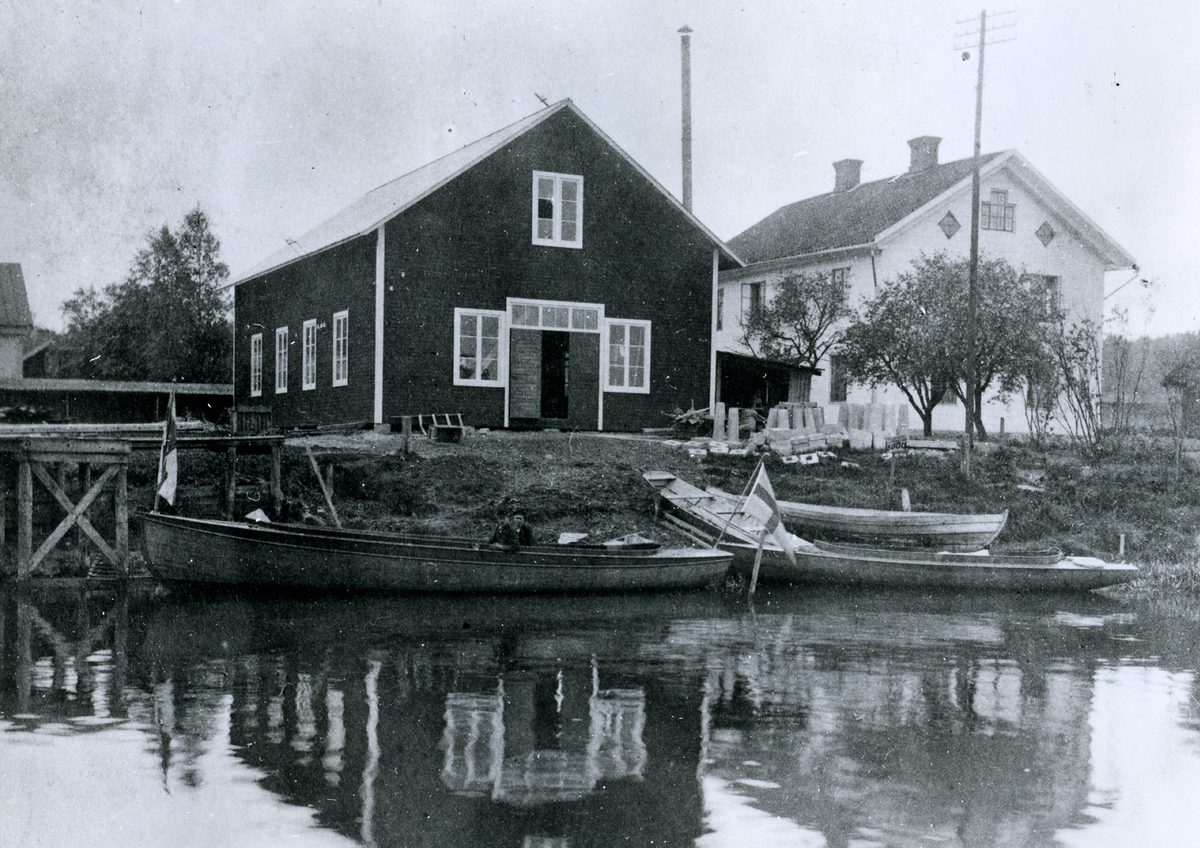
(685, 39)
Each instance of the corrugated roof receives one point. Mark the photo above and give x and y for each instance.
(14, 302)
(390, 199)
(848, 218)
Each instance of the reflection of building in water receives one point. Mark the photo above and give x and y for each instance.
(473, 741)
(543, 754)
(974, 738)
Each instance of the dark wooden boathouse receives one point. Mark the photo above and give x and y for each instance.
(538, 277)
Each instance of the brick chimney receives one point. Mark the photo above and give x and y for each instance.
(924, 153)
(846, 174)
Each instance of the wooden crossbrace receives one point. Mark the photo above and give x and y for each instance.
(75, 514)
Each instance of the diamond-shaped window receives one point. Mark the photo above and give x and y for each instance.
(949, 225)
(1046, 233)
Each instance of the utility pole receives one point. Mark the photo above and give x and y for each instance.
(972, 404)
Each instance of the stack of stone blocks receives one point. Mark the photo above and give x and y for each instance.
(796, 428)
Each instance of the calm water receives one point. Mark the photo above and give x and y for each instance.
(808, 719)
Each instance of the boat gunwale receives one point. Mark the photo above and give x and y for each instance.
(382, 546)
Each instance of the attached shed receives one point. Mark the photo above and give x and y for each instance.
(536, 278)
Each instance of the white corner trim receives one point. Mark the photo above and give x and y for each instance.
(379, 289)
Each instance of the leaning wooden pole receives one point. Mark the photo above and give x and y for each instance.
(762, 539)
(324, 489)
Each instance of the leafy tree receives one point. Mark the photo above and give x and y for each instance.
(896, 341)
(168, 321)
(796, 325)
(913, 333)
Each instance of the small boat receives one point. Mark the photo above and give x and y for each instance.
(716, 519)
(944, 530)
(264, 554)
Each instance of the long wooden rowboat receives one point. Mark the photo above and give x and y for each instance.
(203, 551)
(944, 530)
(713, 518)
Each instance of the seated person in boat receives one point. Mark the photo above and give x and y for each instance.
(513, 532)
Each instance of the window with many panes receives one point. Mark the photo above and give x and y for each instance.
(308, 380)
(628, 366)
(997, 213)
(256, 365)
(341, 341)
(557, 209)
(477, 347)
(281, 360)
(555, 315)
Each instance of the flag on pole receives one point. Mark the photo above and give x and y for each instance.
(168, 462)
(760, 505)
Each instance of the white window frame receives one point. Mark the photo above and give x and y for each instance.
(748, 303)
(501, 380)
(341, 348)
(997, 213)
(256, 363)
(308, 368)
(281, 360)
(556, 239)
(551, 314)
(606, 361)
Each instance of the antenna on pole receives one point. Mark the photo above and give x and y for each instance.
(973, 410)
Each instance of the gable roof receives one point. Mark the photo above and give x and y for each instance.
(848, 218)
(390, 199)
(14, 302)
(872, 211)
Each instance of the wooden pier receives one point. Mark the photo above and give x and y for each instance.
(102, 457)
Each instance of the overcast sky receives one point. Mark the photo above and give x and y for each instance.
(117, 117)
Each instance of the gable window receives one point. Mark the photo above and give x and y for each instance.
(477, 349)
(628, 344)
(720, 308)
(998, 213)
(308, 370)
(256, 365)
(752, 299)
(281, 360)
(341, 341)
(557, 209)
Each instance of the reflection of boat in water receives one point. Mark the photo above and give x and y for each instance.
(478, 763)
(717, 518)
(226, 552)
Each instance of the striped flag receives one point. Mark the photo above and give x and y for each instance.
(168, 462)
(760, 505)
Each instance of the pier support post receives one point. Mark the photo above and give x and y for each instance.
(24, 518)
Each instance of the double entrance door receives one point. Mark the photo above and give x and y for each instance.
(554, 379)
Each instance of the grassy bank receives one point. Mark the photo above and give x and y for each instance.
(590, 483)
